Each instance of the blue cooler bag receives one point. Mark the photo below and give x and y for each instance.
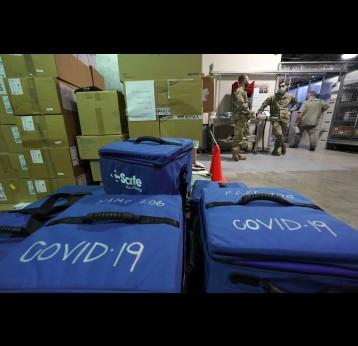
(15, 225)
(147, 165)
(274, 240)
(103, 243)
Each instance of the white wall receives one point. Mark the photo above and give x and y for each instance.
(241, 62)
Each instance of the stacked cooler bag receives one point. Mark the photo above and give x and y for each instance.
(274, 240)
(129, 238)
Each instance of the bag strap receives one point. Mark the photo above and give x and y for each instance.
(260, 197)
(115, 217)
(40, 215)
(154, 139)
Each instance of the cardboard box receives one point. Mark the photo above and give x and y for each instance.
(180, 97)
(46, 95)
(208, 94)
(10, 140)
(63, 66)
(30, 190)
(102, 113)
(96, 170)
(53, 162)
(88, 145)
(175, 127)
(13, 166)
(6, 114)
(144, 128)
(47, 130)
(7, 206)
(97, 79)
(159, 66)
(16, 191)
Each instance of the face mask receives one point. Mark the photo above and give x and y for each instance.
(281, 90)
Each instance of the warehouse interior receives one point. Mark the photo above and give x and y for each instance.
(58, 111)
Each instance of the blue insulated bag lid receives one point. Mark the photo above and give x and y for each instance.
(103, 243)
(275, 224)
(147, 149)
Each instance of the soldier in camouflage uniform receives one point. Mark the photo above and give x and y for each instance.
(280, 115)
(241, 116)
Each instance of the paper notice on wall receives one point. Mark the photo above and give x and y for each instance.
(74, 156)
(23, 162)
(140, 100)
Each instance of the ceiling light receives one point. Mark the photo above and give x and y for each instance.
(348, 56)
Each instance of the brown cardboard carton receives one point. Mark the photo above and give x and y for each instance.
(96, 170)
(97, 79)
(179, 97)
(63, 66)
(208, 94)
(54, 131)
(6, 113)
(13, 165)
(144, 128)
(46, 95)
(16, 191)
(180, 127)
(7, 207)
(102, 113)
(53, 162)
(159, 66)
(10, 140)
(88, 145)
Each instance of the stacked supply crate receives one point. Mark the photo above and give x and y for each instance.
(103, 121)
(40, 90)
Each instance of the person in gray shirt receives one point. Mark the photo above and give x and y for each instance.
(308, 117)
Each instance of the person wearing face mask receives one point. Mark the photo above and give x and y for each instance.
(280, 115)
(308, 117)
(241, 114)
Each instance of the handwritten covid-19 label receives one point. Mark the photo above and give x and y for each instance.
(84, 252)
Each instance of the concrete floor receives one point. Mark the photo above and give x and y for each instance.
(328, 178)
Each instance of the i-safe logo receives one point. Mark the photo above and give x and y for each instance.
(131, 183)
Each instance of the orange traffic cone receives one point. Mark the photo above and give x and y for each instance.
(215, 166)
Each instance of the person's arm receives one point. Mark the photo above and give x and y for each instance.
(241, 104)
(264, 105)
(294, 105)
(300, 113)
(324, 105)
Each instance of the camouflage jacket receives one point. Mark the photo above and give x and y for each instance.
(279, 106)
(241, 103)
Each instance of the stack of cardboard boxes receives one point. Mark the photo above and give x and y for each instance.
(177, 94)
(103, 120)
(39, 124)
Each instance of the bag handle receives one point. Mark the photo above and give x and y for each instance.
(115, 217)
(40, 215)
(261, 197)
(156, 140)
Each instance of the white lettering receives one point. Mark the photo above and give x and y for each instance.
(285, 222)
(138, 253)
(269, 226)
(67, 253)
(88, 259)
(80, 253)
(57, 248)
(129, 181)
(317, 224)
(236, 222)
(23, 257)
(120, 254)
(115, 200)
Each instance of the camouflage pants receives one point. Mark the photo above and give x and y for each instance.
(241, 132)
(279, 130)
